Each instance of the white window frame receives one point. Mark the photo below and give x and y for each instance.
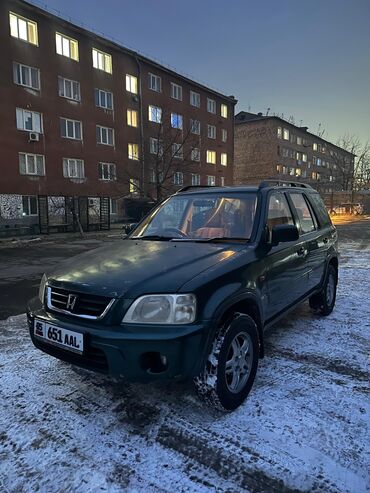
(195, 154)
(222, 180)
(211, 180)
(102, 60)
(211, 156)
(286, 134)
(195, 126)
(35, 157)
(177, 151)
(62, 88)
(155, 146)
(132, 117)
(176, 91)
(195, 179)
(131, 147)
(64, 46)
(211, 131)
(21, 120)
(154, 113)
(29, 197)
(155, 82)
(223, 159)
(131, 83)
(17, 29)
(211, 106)
(107, 171)
(100, 95)
(69, 164)
(111, 206)
(195, 99)
(72, 136)
(178, 118)
(178, 178)
(102, 135)
(18, 69)
(223, 135)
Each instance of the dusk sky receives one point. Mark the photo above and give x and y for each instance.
(307, 59)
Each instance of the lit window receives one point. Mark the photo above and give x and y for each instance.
(104, 135)
(223, 158)
(66, 46)
(211, 105)
(23, 28)
(133, 151)
(73, 168)
(107, 171)
(156, 146)
(195, 179)
(131, 83)
(31, 121)
(298, 171)
(195, 99)
(155, 114)
(102, 61)
(155, 83)
(134, 186)
(304, 158)
(177, 151)
(224, 110)
(279, 132)
(195, 154)
(71, 129)
(211, 131)
(31, 164)
(176, 121)
(132, 118)
(285, 134)
(314, 175)
(26, 76)
(211, 157)
(29, 205)
(314, 146)
(103, 99)
(222, 181)
(178, 178)
(211, 181)
(223, 135)
(69, 89)
(195, 126)
(176, 91)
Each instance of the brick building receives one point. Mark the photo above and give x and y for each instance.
(268, 147)
(82, 116)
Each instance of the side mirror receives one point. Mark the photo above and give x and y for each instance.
(284, 233)
(127, 228)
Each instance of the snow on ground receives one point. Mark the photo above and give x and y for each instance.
(304, 427)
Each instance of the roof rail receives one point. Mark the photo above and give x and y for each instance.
(196, 187)
(282, 183)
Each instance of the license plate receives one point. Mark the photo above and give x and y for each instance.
(64, 338)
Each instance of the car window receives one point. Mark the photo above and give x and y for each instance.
(278, 211)
(320, 209)
(306, 221)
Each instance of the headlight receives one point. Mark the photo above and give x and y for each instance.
(162, 309)
(42, 288)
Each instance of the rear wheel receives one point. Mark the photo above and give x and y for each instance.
(325, 300)
(231, 366)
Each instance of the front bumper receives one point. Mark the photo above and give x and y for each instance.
(140, 353)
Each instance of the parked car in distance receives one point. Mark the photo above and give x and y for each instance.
(348, 208)
(191, 290)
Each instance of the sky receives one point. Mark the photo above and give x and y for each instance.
(307, 59)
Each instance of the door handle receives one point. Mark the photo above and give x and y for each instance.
(302, 252)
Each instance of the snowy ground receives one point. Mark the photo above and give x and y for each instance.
(305, 426)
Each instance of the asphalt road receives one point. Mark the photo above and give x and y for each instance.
(21, 267)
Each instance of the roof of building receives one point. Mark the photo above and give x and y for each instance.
(247, 117)
(115, 44)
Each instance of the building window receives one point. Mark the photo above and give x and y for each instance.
(176, 121)
(156, 146)
(155, 114)
(29, 205)
(211, 181)
(31, 121)
(224, 110)
(73, 168)
(299, 140)
(223, 135)
(69, 89)
(304, 157)
(134, 186)
(131, 83)
(178, 178)
(195, 179)
(195, 154)
(31, 164)
(223, 158)
(155, 83)
(70, 129)
(103, 99)
(23, 28)
(298, 172)
(304, 173)
(318, 161)
(279, 133)
(285, 134)
(314, 146)
(113, 206)
(211, 131)
(104, 135)
(132, 118)
(195, 126)
(176, 91)
(107, 171)
(102, 61)
(211, 105)
(222, 178)
(177, 151)
(211, 157)
(133, 151)
(293, 138)
(291, 171)
(195, 99)
(66, 46)
(26, 76)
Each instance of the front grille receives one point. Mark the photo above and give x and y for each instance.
(81, 305)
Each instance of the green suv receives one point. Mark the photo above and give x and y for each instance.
(190, 291)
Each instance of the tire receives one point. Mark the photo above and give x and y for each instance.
(235, 351)
(325, 300)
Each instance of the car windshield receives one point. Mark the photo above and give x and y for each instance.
(201, 217)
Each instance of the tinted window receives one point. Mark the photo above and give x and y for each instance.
(320, 209)
(278, 211)
(306, 221)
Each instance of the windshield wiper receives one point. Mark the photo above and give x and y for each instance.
(214, 239)
(152, 237)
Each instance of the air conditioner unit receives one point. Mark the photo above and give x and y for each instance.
(34, 137)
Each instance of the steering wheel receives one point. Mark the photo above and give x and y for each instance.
(175, 231)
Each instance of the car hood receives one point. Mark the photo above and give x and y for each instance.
(131, 268)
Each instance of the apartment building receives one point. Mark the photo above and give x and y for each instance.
(269, 147)
(82, 116)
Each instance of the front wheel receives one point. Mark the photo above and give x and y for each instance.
(231, 366)
(325, 300)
